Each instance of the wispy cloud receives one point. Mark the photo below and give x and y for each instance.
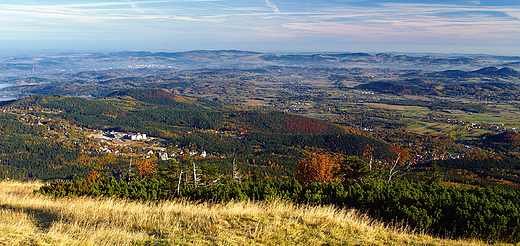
(93, 11)
(415, 21)
(263, 21)
(272, 6)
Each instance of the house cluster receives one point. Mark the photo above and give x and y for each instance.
(108, 149)
(203, 154)
(161, 155)
(126, 135)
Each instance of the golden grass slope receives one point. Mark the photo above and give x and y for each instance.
(33, 219)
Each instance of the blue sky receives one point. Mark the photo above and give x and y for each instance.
(442, 26)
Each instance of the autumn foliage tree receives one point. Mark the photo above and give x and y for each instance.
(318, 167)
(93, 175)
(146, 167)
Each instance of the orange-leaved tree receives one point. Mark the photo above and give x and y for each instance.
(93, 175)
(146, 167)
(318, 167)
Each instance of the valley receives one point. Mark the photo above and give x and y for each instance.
(324, 129)
(449, 108)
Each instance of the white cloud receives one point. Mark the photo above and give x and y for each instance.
(413, 18)
(272, 6)
(251, 20)
(92, 12)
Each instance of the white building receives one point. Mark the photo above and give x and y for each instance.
(135, 136)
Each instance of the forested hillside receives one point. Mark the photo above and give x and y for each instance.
(274, 141)
(200, 149)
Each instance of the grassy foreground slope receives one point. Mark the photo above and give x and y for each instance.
(31, 219)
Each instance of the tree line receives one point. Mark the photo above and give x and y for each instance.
(491, 213)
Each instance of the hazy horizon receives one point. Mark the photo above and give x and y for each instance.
(270, 26)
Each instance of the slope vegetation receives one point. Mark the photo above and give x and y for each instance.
(32, 219)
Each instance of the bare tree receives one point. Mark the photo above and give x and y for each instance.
(216, 180)
(130, 174)
(393, 170)
(236, 174)
(179, 184)
(195, 178)
(369, 152)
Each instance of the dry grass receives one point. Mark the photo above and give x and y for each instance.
(32, 219)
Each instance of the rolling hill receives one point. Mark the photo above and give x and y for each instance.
(194, 123)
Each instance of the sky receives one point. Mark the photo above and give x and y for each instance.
(278, 26)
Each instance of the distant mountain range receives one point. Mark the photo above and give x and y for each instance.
(504, 72)
(79, 62)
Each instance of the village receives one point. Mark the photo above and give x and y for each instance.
(112, 142)
(91, 140)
